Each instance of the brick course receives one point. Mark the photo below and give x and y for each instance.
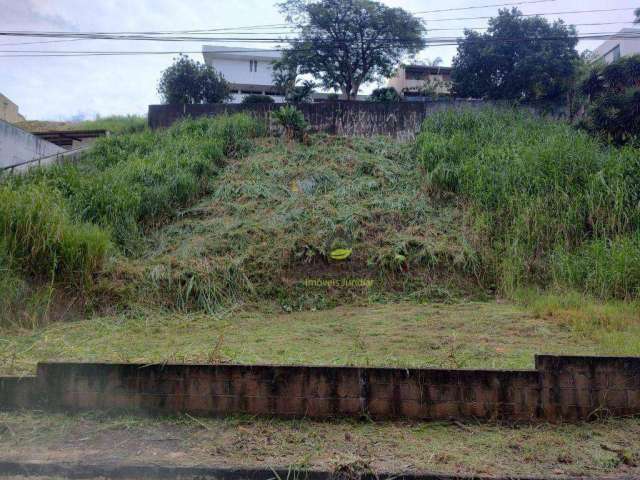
(560, 388)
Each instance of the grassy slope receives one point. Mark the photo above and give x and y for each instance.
(552, 205)
(61, 226)
(251, 243)
(274, 216)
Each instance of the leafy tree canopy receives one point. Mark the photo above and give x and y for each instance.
(188, 81)
(346, 43)
(526, 59)
(614, 94)
(256, 99)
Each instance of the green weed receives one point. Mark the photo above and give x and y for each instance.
(57, 223)
(547, 202)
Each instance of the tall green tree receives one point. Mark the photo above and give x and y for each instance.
(188, 81)
(614, 100)
(347, 43)
(285, 77)
(527, 59)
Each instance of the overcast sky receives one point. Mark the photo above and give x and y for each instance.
(52, 88)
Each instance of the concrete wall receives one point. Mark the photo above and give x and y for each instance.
(342, 117)
(9, 111)
(560, 388)
(17, 146)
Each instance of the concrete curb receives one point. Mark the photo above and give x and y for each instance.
(81, 471)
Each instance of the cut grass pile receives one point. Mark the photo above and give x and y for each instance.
(604, 448)
(404, 335)
(57, 223)
(550, 204)
(267, 229)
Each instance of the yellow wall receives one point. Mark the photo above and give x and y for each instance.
(9, 111)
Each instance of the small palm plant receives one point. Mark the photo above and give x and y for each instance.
(292, 120)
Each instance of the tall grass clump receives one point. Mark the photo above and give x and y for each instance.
(40, 237)
(551, 203)
(57, 223)
(132, 182)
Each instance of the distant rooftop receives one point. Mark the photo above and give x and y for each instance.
(240, 53)
(427, 69)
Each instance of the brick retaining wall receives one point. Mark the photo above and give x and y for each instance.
(342, 117)
(560, 388)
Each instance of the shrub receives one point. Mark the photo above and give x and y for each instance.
(614, 100)
(292, 120)
(541, 192)
(188, 81)
(385, 95)
(257, 99)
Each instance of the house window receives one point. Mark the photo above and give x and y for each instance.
(616, 53)
(612, 55)
(253, 65)
(415, 75)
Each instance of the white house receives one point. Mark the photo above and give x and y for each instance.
(248, 70)
(625, 42)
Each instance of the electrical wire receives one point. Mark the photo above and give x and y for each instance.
(443, 41)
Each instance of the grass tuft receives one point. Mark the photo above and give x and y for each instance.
(549, 203)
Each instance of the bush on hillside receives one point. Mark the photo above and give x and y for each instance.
(291, 120)
(539, 191)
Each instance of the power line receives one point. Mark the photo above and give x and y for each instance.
(274, 39)
(433, 41)
(278, 39)
(534, 14)
(481, 6)
(109, 35)
(257, 27)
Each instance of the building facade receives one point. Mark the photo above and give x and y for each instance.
(625, 42)
(248, 70)
(421, 80)
(9, 111)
